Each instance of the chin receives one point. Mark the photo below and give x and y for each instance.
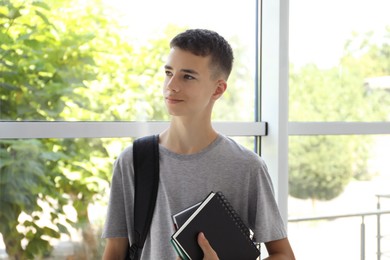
(174, 112)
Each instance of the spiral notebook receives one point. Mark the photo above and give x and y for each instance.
(223, 228)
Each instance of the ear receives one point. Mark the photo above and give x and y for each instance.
(221, 86)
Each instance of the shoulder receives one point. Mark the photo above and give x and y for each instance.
(126, 153)
(125, 158)
(235, 150)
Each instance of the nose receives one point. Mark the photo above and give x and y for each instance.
(172, 84)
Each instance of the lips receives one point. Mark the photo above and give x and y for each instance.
(170, 100)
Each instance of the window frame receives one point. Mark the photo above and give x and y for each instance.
(274, 97)
(94, 129)
(270, 127)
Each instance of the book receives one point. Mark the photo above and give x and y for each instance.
(223, 228)
(181, 217)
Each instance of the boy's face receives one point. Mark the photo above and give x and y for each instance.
(189, 88)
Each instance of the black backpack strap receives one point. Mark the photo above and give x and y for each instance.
(146, 178)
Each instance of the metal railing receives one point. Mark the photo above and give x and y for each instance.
(380, 236)
(362, 215)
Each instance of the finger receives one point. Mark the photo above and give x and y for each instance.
(208, 251)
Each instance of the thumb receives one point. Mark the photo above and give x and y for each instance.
(208, 251)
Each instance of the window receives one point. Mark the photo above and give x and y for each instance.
(339, 104)
(78, 81)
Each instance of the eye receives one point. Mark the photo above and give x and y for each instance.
(168, 73)
(189, 77)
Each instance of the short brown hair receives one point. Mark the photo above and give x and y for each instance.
(203, 42)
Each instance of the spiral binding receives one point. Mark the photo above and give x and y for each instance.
(238, 221)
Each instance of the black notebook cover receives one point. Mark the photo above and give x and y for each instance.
(223, 228)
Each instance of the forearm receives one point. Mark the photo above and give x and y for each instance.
(116, 249)
(111, 255)
(279, 250)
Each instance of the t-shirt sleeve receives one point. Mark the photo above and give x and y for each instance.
(269, 225)
(120, 199)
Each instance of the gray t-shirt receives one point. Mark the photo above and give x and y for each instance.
(224, 165)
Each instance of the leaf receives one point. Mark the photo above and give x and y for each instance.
(43, 17)
(63, 229)
(51, 232)
(30, 235)
(37, 246)
(41, 5)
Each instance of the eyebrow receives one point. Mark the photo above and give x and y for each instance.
(183, 70)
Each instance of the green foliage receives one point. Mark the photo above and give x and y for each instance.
(316, 171)
(321, 166)
(39, 63)
(46, 60)
(24, 185)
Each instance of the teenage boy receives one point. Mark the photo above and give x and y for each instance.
(195, 159)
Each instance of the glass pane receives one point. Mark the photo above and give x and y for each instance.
(337, 176)
(339, 60)
(102, 60)
(246, 141)
(54, 194)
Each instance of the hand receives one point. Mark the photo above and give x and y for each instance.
(208, 251)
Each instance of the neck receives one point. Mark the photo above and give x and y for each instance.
(187, 136)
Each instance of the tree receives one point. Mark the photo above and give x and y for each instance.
(27, 183)
(43, 65)
(321, 166)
